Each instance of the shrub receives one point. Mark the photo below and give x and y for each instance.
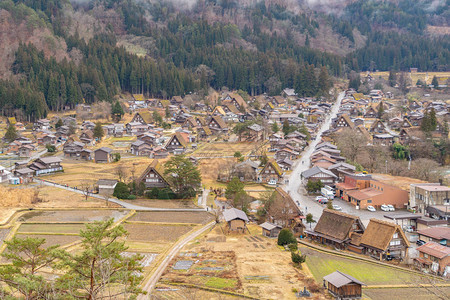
(121, 191)
(286, 237)
(116, 157)
(297, 258)
(153, 193)
(132, 197)
(50, 148)
(293, 247)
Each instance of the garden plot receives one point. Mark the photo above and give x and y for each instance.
(53, 239)
(258, 267)
(155, 203)
(71, 229)
(155, 233)
(173, 217)
(63, 216)
(208, 268)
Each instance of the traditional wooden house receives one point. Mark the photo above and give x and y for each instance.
(433, 258)
(72, 149)
(371, 112)
(344, 121)
(217, 125)
(203, 132)
(159, 153)
(177, 144)
(271, 173)
(336, 228)
(144, 117)
(46, 165)
(87, 137)
(46, 139)
(382, 239)
(153, 176)
(378, 127)
(317, 173)
(395, 123)
(141, 148)
(236, 220)
(25, 150)
(103, 155)
(246, 171)
(283, 211)
(236, 100)
(25, 174)
(343, 286)
(270, 230)
(86, 154)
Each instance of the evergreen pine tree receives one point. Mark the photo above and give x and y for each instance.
(98, 131)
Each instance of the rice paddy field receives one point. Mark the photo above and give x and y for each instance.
(173, 217)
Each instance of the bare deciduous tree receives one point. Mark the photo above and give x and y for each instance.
(121, 172)
(350, 142)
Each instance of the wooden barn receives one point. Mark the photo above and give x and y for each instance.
(270, 230)
(343, 286)
(236, 220)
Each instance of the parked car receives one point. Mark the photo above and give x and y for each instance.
(420, 242)
(391, 207)
(384, 207)
(371, 208)
(272, 182)
(323, 201)
(318, 198)
(337, 207)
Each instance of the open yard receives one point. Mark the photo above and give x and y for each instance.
(173, 217)
(51, 240)
(51, 228)
(72, 215)
(424, 76)
(249, 264)
(322, 264)
(75, 175)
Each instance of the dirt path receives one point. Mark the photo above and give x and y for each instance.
(150, 284)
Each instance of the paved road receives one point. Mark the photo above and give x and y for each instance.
(148, 287)
(308, 203)
(113, 200)
(295, 187)
(203, 198)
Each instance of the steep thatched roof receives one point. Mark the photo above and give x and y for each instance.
(336, 225)
(379, 234)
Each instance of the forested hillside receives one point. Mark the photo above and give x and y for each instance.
(189, 46)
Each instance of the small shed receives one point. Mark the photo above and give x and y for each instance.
(106, 186)
(343, 286)
(270, 229)
(236, 220)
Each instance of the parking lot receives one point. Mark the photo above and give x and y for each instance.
(312, 206)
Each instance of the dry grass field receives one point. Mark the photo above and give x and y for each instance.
(51, 240)
(155, 203)
(173, 217)
(223, 149)
(424, 76)
(48, 197)
(155, 233)
(51, 228)
(75, 171)
(63, 216)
